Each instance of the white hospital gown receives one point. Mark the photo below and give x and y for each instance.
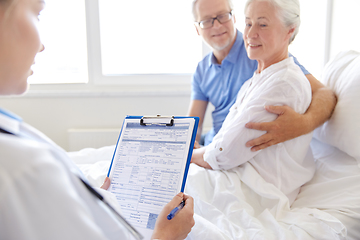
(287, 165)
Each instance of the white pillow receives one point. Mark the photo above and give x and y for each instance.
(342, 130)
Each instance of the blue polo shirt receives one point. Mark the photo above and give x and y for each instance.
(220, 83)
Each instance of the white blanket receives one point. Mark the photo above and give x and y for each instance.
(239, 204)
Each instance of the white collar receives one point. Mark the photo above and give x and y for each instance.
(9, 121)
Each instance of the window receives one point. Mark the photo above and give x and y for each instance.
(344, 32)
(125, 42)
(135, 40)
(63, 33)
(310, 45)
(142, 42)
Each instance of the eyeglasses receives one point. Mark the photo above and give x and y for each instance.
(222, 18)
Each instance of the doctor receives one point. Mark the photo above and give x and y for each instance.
(41, 194)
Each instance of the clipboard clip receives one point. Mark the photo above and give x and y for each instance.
(158, 120)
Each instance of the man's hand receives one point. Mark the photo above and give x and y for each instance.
(178, 227)
(288, 125)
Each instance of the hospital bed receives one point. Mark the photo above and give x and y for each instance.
(235, 205)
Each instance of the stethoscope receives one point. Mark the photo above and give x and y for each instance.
(121, 219)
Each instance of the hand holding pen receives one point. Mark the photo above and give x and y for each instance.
(176, 210)
(182, 219)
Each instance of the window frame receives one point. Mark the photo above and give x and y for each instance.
(101, 85)
(95, 61)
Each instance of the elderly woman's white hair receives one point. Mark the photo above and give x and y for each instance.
(289, 13)
(231, 5)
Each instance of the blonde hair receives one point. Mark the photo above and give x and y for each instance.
(8, 5)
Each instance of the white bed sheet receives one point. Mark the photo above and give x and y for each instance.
(94, 163)
(335, 188)
(239, 204)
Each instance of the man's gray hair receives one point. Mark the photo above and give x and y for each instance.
(289, 13)
(231, 5)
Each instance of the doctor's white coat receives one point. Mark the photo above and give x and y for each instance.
(40, 196)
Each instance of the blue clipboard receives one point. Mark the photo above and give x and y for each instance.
(166, 121)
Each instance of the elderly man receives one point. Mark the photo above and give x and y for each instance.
(220, 75)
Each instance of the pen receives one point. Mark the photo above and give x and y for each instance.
(175, 210)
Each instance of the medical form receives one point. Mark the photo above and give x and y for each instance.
(149, 168)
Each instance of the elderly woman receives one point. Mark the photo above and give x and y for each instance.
(41, 194)
(271, 25)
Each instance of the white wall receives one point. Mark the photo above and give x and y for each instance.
(54, 115)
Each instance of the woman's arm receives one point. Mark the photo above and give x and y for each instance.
(198, 158)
